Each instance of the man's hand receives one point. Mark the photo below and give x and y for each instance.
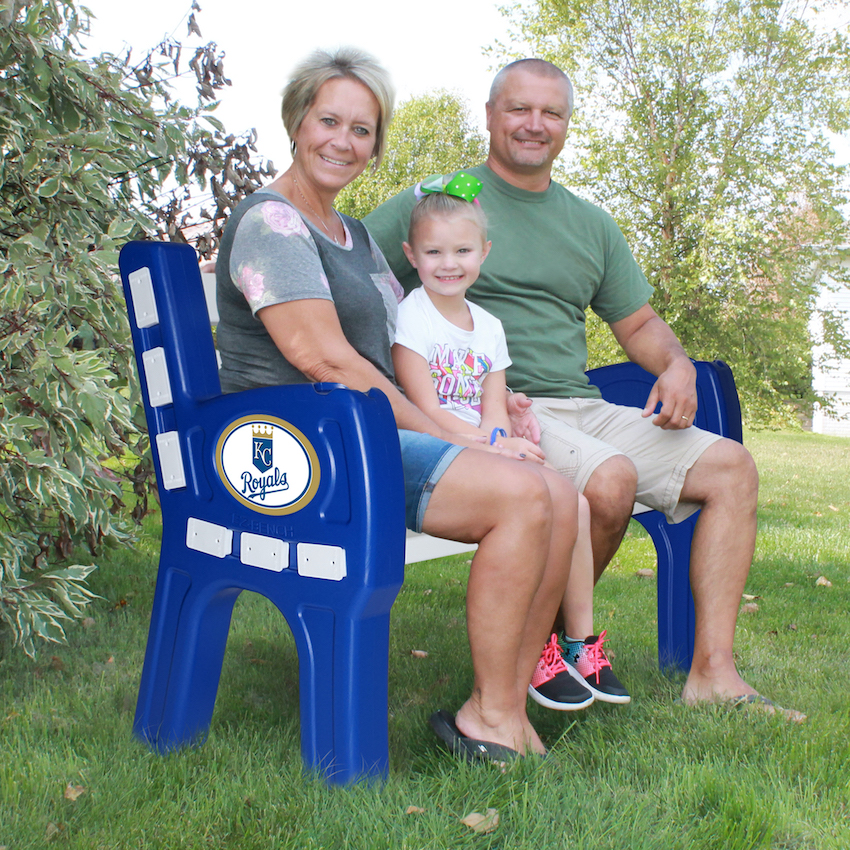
(523, 422)
(676, 390)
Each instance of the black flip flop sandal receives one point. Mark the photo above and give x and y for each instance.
(443, 724)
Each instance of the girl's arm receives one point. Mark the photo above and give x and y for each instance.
(494, 414)
(494, 403)
(414, 376)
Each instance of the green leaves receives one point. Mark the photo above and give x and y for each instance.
(701, 125)
(84, 155)
(429, 134)
(49, 187)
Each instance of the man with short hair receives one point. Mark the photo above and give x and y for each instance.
(553, 256)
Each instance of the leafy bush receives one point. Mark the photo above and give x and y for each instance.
(86, 146)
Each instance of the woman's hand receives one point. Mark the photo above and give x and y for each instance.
(524, 448)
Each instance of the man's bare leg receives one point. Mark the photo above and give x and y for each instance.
(514, 585)
(611, 494)
(725, 481)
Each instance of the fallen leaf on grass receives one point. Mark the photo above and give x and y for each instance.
(749, 608)
(414, 810)
(833, 508)
(53, 829)
(418, 653)
(74, 792)
(823, 581)
(482, 823)
(749, 598)
(645, 573)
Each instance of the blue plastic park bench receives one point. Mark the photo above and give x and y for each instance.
(292, 492)
(296, 493)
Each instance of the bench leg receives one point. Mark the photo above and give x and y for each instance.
(183, 660)
(343, 666)
(675, 603)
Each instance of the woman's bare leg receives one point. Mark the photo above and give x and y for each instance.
(505, 506)
(551, 591)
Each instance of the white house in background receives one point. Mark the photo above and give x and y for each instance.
(833, 379)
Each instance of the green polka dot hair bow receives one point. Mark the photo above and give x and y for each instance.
(460, 184)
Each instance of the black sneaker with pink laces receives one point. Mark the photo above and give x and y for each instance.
(587, 661)
(553, 685)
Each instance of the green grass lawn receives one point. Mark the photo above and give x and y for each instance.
(653, 774)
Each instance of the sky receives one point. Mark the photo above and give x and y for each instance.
(433, 45)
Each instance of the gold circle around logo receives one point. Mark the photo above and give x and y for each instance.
(305, 494)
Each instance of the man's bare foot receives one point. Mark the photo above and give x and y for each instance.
(716, 680)
(751, 698)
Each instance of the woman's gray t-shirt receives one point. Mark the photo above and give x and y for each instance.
(271, 255)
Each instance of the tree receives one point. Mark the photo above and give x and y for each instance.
(703, 127)
(86, 147)
(430, 134)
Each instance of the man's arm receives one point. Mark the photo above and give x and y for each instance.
(650, 342)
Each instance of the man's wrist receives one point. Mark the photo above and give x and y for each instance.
(681, 361)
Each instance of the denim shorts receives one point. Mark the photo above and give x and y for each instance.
(424, 459)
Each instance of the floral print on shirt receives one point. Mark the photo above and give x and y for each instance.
(283, 219)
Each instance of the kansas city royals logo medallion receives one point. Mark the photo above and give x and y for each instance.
(267, 464)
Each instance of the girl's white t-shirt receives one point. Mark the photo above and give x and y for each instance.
(459, 359)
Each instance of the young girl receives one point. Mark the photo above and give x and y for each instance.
(450, 358)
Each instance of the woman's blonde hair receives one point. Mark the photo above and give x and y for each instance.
(347, 63)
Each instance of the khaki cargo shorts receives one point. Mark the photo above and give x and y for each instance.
(578, 434)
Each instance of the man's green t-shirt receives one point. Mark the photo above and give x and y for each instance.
(553, 255)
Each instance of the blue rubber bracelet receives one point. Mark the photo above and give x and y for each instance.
(497, 432)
